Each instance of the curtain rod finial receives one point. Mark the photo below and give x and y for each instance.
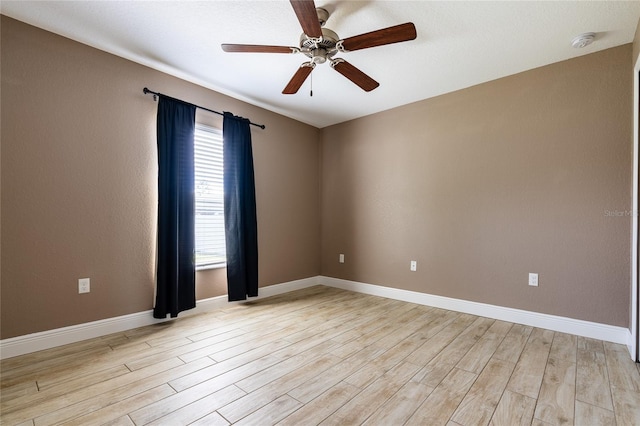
(145, 91)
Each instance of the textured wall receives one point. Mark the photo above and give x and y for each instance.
(636, 44)
(529, 173)
(481, 186)
(79, 189)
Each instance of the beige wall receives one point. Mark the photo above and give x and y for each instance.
(480, 186)
(636, 44)
(487, 184)
(79, 183)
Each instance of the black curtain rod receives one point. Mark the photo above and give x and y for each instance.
(146, 91)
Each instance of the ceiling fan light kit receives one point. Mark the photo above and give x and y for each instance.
(322, 44)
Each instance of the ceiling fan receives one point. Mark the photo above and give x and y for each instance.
(321, 45)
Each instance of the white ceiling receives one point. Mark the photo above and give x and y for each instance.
(459, 44)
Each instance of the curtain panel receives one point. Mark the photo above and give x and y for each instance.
(241, 229)
(175, 263)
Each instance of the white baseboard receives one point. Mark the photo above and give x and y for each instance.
(61, 336)
(594, 330)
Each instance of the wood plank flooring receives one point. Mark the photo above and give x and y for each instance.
(325, 356)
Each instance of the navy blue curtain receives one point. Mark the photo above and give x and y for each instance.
(175, 287)
(241, 228)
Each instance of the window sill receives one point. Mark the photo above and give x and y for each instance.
(207, 267)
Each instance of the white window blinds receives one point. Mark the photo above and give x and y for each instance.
(209, 226)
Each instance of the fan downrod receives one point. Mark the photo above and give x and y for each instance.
(323, 48)
(323, 15)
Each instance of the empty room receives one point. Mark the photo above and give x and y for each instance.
(319, 212)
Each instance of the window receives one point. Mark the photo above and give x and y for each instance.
(210, 244)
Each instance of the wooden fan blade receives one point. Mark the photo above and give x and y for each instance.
(256, 48)
(365, 82)
(395, 34)
(307, 16)
(298, 78)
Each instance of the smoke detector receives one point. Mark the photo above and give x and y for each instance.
(583, 40)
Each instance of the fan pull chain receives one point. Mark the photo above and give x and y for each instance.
(311, 90)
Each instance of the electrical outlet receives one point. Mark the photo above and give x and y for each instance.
(414, 265)
(341, 258)
(533, 280)
(84, 285)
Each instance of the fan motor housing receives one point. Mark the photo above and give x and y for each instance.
(319, 50)
(327, 41)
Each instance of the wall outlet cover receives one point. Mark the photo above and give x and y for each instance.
(84, 285)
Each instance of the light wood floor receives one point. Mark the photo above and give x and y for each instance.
(326, 356)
